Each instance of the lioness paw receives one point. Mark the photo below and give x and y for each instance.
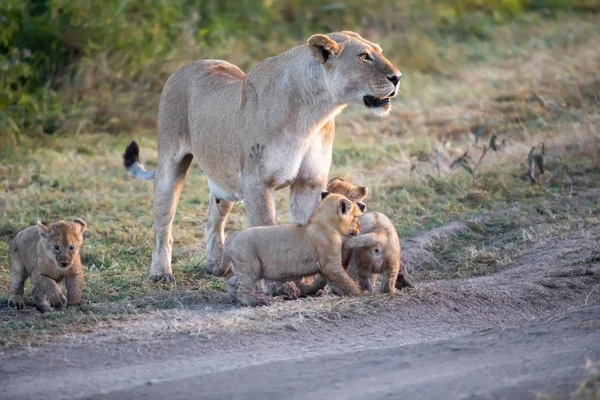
(17, 302)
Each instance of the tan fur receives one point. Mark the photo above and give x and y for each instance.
(375, 251)
(32, 254)
(213, 112)
(290, 251)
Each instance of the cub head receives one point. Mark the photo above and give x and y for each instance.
(356, 70)
(62, 240)
(339, 212)
(354, 193)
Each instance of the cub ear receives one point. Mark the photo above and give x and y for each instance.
(345, 206)
(43, 227)
(362, 206)
(80, 225)
(324, 194)
(363, 191)
(322, 47)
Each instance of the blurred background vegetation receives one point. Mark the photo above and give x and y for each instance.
(68, 66)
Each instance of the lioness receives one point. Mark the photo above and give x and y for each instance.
(213, 112)
(375, 251)
(48, 254)
(291, 251)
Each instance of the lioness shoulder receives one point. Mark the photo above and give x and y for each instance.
(47, 253)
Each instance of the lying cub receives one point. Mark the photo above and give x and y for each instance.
(375, 251)
(48, 254)
(291, 251)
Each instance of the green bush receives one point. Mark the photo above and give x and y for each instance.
(45, 44)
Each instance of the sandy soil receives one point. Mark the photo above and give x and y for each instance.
(526, 330)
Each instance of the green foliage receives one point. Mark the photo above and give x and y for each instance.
(45, 44)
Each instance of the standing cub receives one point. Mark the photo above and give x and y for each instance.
(48, 254)
(375, 251)
(291, 251)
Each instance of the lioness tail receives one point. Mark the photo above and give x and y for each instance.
(131, 161)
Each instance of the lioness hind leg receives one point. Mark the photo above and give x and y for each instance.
(167, 188)
(18, 274)
(214, 230)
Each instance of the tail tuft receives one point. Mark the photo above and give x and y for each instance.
(402, 282)
(131, 155)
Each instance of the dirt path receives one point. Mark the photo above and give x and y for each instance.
(527, 328)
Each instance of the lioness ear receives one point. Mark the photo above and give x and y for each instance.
(324, 194)
(80, 225)
(362, 206)
(322, 47)
(43, 227)
(345, 206)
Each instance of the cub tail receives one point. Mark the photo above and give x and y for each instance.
(131, 161)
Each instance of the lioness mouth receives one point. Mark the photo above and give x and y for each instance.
(375, 102)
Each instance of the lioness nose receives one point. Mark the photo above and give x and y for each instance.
(395, 78)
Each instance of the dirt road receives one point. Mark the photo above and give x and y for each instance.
(525, 330)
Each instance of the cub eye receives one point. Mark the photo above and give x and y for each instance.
(71, 247)
(365, 57)
(56, 247)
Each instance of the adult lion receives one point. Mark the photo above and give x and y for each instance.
(212, 111)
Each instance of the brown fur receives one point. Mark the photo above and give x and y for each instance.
(375, 251)
(32, 254)
(291, 251)
(212, 112)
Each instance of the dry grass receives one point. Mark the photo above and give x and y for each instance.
(542, 89)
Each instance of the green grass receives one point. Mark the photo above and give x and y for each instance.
(64, 176)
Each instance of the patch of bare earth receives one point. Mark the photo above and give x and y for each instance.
(550, 278)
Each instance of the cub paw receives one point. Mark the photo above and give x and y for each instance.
(43, 307)
(17, 302)
(57, 300)
(169, 278)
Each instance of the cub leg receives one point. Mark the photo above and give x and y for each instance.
(245, 287)
(167, 188)
(47, 293)
(390, 274)
(18, 274)
(214, 230)
(74, 284)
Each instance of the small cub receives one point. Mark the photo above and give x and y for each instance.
(48, 254)
(288, 252)
(375, 251)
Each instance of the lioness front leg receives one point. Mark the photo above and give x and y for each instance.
(214, 229)
(47, 294)
(258, 197)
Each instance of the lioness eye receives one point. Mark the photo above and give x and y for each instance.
(365, 56)
(71, 247)
(56, 247)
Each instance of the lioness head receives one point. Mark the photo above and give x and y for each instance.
(357, 71)
(340, 213)
(62, 240)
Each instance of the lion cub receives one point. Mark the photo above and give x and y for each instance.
(48, 254)
(375, 251)
(291, 251)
